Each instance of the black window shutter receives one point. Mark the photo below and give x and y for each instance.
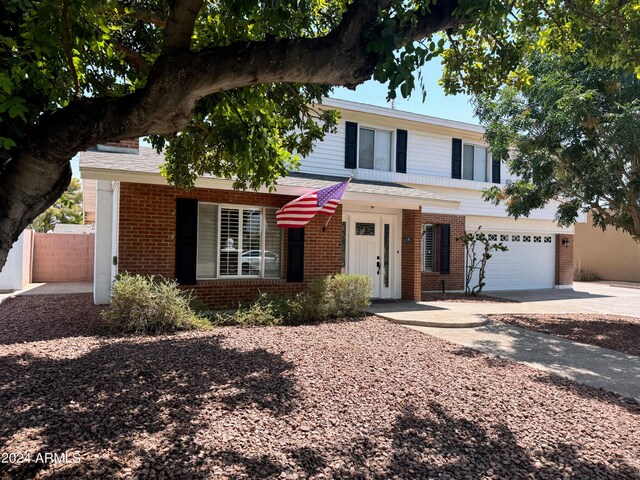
(401, 151)
(495, 170)
(445, 247)
(295, 255)
(456, 158)
(186, 240)
(351, 145)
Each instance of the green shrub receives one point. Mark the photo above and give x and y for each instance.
(350, 295)
(147, 304)
(337, 296)
(266, 310)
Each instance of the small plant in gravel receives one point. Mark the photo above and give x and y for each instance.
(336, 296)
(148, 304)
(266, 310)
(470, 240)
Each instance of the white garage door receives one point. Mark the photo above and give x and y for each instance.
(528, 264)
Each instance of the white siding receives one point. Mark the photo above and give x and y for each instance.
(428, 153)
(327, 157)
(472, 203)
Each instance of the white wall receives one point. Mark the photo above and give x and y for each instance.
(11, 272)
(472, 203)
(102, 270)
(428, 150)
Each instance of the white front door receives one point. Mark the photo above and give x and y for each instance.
(371, 251)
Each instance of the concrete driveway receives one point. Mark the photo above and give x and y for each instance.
(588, 364)
(601, 297)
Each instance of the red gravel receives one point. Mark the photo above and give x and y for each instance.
(365, 399)
(461, 297)
(617, 332)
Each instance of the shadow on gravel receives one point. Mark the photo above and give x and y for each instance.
(432, 444)
(98, 401)
(33, 318)
(464, 449)
(616, 333)
(586, 391)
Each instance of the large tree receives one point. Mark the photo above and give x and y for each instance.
(229, 86)
(66, 210)
(572, 135)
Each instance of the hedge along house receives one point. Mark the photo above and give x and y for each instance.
(416, 187)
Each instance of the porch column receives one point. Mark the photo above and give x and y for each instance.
(411, 237)
(564, 261)
(103, 242)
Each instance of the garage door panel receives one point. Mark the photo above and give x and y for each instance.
(529, 262)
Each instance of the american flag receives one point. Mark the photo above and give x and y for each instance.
(297, 213)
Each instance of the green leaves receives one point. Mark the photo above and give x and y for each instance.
(67, 209)
(253, 135)
(572, 137)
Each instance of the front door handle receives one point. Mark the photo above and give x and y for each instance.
(378, 265)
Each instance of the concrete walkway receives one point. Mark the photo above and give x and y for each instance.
(591, 365)
(50, 289)
(588, 364)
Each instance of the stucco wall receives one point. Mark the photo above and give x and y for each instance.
(612, 255)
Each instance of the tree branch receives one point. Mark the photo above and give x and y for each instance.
(180, 24)
(134, 58)
(145, 16)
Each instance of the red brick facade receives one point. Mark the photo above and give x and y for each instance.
(564, 259)
(411, 249)
(147, 240)
(133, 143)
(454, 280)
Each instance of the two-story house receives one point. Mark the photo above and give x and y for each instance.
(416, 186)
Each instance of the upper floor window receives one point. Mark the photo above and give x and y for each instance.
(476, 164)
(375, 149)
(473, 162)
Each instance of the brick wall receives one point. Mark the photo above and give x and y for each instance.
(131, 143)
(564, 260)
(411, 236)
(62, 257)
(147, 240)
(454, 280)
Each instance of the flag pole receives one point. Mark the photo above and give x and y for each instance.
(324, 228)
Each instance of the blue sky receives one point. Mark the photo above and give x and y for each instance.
(437, 104)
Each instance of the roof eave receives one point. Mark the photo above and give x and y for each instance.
(360, 198)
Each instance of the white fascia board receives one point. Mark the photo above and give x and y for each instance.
(224, 184)
(398, 114)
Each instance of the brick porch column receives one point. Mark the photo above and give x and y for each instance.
(564, 260)
(411, 236)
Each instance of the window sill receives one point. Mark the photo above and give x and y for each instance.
(207, 281)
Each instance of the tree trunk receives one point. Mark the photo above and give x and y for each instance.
(27, 188)
(40, 172)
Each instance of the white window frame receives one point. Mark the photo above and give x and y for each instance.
(263, 231)
(488, 166)
(392, 150)
(424, 248)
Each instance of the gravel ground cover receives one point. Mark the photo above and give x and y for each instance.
(461, 297)
(617, 332)
(351, 399)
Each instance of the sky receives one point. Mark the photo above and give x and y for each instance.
(437, 104)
